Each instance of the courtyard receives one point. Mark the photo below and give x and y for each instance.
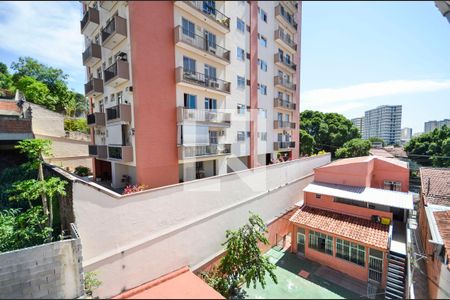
(304, 279)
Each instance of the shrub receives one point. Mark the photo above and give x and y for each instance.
(82, 171)
(79, 125)
(129, 189)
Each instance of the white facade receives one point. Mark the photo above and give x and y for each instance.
(359, 123)
(384, 122)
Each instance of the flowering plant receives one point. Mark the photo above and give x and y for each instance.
(129, 189)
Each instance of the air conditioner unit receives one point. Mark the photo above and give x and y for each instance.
(214, 84)
(221, 132)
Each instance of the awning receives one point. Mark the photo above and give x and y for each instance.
(363, 194)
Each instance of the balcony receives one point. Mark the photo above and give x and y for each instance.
(286, 146)
(96, 119)
(200, 45)
(283, 125)
(187, 152)
(292, 5)
(120, 153)
(92, 55)
(283, 104)
(119, 113)
(206, 13)
(285, 18)
(114, 32)
(283, 83)
(90, 21)
(93, 87)
(117, 73)
(195, 79)
(107, 4)
(281, 62)
(283, 38)
(98, 151)
(218, 119)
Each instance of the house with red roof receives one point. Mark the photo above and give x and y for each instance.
(434, 224)
(353, 219)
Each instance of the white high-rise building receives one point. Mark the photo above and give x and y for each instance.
(406, 134)
(384, 122)
(359, 123)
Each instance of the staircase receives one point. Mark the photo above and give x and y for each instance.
(395, 284)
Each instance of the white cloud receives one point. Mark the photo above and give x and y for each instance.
(365, 91)
(46, 31)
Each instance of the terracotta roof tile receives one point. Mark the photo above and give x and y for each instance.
(436, 185)
(354, 228)
(443, 223)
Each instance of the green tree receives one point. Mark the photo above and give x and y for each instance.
(34, 91)
(5, 78)
(307, 143)
(431, 149)
(376, 140)
(243, 261)
(354, 148)
(329, 130)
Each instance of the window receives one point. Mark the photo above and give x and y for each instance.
(240, 25)
(119, 96)
(318, 196)
(240, 54)
(262, 14)
(241, 109)
(392, 185)
(210, 103)
(113, 98)
(263, 89)
(101, 107)
(262, 41)
(188, 28)
(209, 7)
(210, 72)
(352, 252)
(240, 82)
(190, 101)
(99, 73)
(188, 64)
(262, 113)
(211, 39)
(106, 99)
(263, 136)
(97, 39)
(248, 134)
(263, 65)
(241, 135)
(350, 202)
(321, 242)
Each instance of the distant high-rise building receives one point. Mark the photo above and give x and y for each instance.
(406, 134)
(432, 125)
(359, 123)
(384, 122)
(444, 8)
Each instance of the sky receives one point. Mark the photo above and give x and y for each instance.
(354, 55)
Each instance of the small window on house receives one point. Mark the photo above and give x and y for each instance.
(240, 54)
(392, 185)
(262, 14)
(263, 136)
(263, 89)
(262, 41)
(240, 82)
(241, 109)
(318, 196)
(263, 65)
(240, 25)
(241, 135)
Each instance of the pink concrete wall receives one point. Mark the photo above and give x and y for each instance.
(153, 72)
(253, 162)
(349, 268)
(326, 202)
(355, 174)
(386, 171)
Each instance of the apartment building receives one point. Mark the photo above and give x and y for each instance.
(359, 123)
(354, 220)
(444, 8)
(434, 224)
(432, 125)
(406, 135)
(183, 90)
(384, 122)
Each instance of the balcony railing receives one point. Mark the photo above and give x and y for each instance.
(283, 14)
(96, 119)
(203, 115)
(283, 145)
(99, 151)
(202, 80)
(114, 32)
(107, 4)
(92, 54)
(278, 58)
(278, 80)
(283, 125)
(117, 72)
(281, 103)
(293, 5)
(90, 21)
(201, 43)
(120, 153)
(207, 150)
(121, 112)
(93, 87)
(281, 35)
(210, 12)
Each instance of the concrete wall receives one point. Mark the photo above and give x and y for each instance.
(47, 271)
(184, 224)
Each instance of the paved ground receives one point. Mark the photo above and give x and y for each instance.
(321, 282)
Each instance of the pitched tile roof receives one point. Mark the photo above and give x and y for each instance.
(350, 227)
(443, 224)
(436, 185)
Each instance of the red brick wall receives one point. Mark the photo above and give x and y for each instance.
(15, 126)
